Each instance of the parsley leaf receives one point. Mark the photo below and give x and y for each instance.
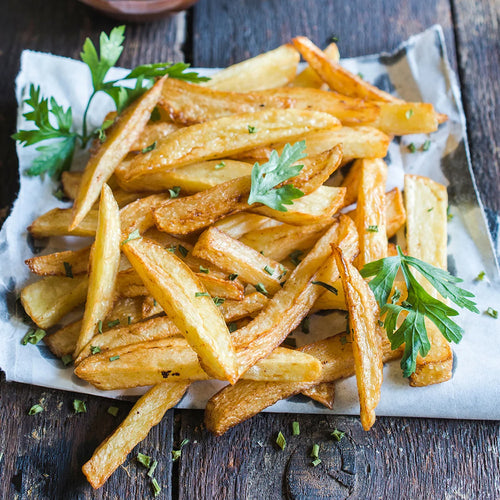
(418, 305)
(176, 454)
(266, 178)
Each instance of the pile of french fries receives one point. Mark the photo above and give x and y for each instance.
(186, 281)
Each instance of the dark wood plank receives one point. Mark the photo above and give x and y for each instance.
(227, 31)
(398, 458)
(478, 42)
(42, 454)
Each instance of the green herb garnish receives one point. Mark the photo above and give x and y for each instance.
(183, 250)
(95, 349)
(134, 235)
(68, 269)
(144, 460)
(220, 165)
(99, 326)
(278, 169)
(35, 409)
(202, 294)
(337, 435)
(79, 406)
(372, 229)
(176, 454)
(269, 270)
(218, 301)
(33, 336)
(295, 428)
(281, 441)
(174, 192)
(149, 148)
(261, 288)
(156, 487)
(409, 114)
(412, 148)
(330, 288)
(204, 269)
(480, 276)
(427, 145)
(114, 358)
(418, 305)
(232, 276)
(152, 469)
(113, 410)
(112, 324)
(295, 257)
(492, 312)
(67, 359)
(252, 129)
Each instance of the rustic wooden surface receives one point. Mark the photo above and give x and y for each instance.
(41, 456)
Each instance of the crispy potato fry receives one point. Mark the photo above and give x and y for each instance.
(370, 212)
(367, 351)
(187, 103)
(56, 222)
(182, 297)
(153, 132)
(239, 224)
(426, 239)
(271, 69)
(323, 393)
(191, 178)
(338, 79)
(315, 208)
(48, 300)
(103, 268)
(63, 341)
(291, 304)
(145, 414)
(139, 214)
(60, 263)
(110, 153)
(147, 363)
(309, 78)
(398, 118)
(279, 242)
(226, 136)
(234, 257)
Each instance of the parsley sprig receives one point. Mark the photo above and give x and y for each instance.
(279, 168)
(51, 121)
(417, 306)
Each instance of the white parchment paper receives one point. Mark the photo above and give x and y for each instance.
(417, 71)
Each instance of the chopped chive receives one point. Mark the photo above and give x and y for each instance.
(204, 269)
(412, 148)
(430, 209)
(232, 276)
(33, 336)
(155, 303)
(149, 148)
(220, 165)
(261, 288)
(316, 462)
(95, 349)
(232, 327)
(59, 194)
(112, 324)
(372, 229)
(334, 38)
(218, 301)
(449, 214)
(134, 235)
(315, 451)
(269, 270)
(172, 248)
(492, 312)
(143, 459)
(480, 276)
(183, 250)
(67, 359)
(427, 145)
(409, 114)
(174, 192)
(176, 454)
(202, 294)
(129, 320)
(152, 469)
(156, 487)
(295, 428)
(281, 441)
(361, 76)
(113, 410)
(294, 257)
(114, 358)
(337, 434)
(305, 325)
(35, 409)
(68, 269)
(330, 288)
(79, 406)
(252, 129)
(99, 326)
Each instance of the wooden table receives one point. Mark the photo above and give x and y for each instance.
(41, 456)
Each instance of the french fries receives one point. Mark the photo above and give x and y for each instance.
(56, 223)
(309, 78)
(104, 262)
(145, 414)
(60, 263)
(185, 300)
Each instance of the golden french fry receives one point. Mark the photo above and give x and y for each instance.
(239, 224)
(271, 69)
(66, 263)
(309, 78)
(145, 414)
(56, 223)
(153, 132)
(70, 183)
(183, 297)
(178, 98)
(226, 136)
(104, 161)
(426, 239)
(323, 393)
(370, 212)
(103, 268)
(151, 362)
(400, 118)
(339, 79)
(139, 214)
(367, 351)
(234, 257)
(48, 300)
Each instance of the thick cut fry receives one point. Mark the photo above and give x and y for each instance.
(338, 78)
(271, 69)
(291, 304)
(239, 224)
(187, 103)
(103, 266)
(426, 238)
(227, 136)
(60, 263)
(309, 78)
(108, 156)
(148, 363)
(183, 297)
(279, 242)
(370, 212)
(406, 118)
(145, 414)
(315, 208)
(323, 393)
(56, 223)
(48, 300)
(234, 257)
(367, 351)
(191, 178)
(139, 214)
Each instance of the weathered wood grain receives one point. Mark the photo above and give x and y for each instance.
(477, 29)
